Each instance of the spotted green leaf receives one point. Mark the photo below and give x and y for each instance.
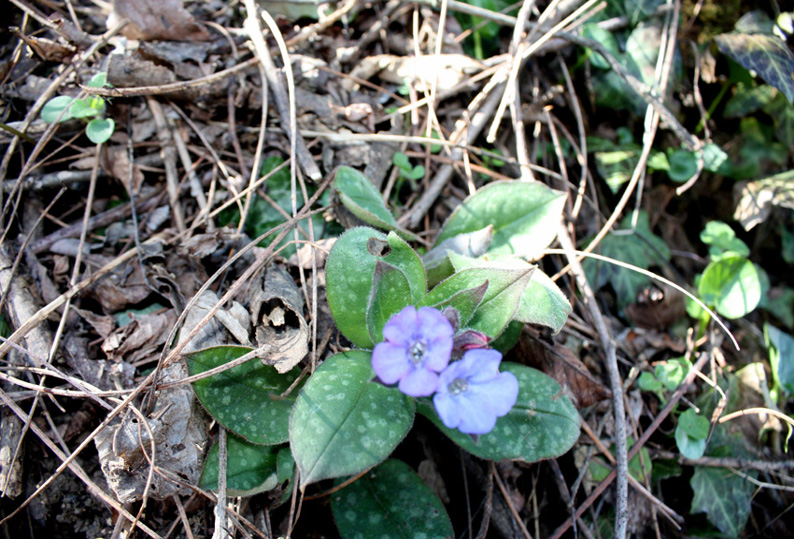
(344, 423)
(390, 501)
(350, 270)
(390, 293)
(525, 217)
(498, 304)
(543, 423)
(246, 399)
(250, 468)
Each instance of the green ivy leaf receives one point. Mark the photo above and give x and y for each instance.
(54, 107)
(733, 285)
(683, 165)
(766, 54)
(694, 425)
(390, 501)
(343, 423)
(525, 217)
(723, 496)
(543, 423)
(100, 130)
(781, 357)
(364, 201)
(641, 248)
(722, 241)
(350, 269)
(250, 468)
(246, 399)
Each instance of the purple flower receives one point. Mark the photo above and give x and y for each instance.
(417, 347)
(472, 392)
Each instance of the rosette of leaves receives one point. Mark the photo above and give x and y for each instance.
(90, 109)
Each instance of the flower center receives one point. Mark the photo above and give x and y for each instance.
(417, 352)
(458, 386)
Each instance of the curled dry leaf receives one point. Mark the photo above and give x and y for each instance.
(277, 311)
(180, 431)
(141, 338)
(448, 69)
(157, 19)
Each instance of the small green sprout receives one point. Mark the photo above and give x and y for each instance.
(63, 108)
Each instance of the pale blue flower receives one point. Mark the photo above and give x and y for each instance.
(417, 347)
(472, 393)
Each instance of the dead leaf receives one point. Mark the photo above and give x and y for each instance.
(180, 434)
(46, 49)
(448, 70)
(277, 312)
(157, 19)
(234, 319)
(122, 287)
(102, 324)
(756, 198)
(568, 370)
(115, 160)
(141, 338)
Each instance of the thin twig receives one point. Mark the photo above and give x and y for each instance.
(610, 350)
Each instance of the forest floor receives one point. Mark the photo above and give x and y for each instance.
(116, 213)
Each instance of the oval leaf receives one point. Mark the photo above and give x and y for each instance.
(246, 399)
(100, 130)
(390, 293)
(51, 112)
(343, 423)
(364, 201)
(389, 501)
(250, 469)
(350, 271)
(524, 217)
(499, 303)
(471, 244)
(732, 285)
(543, 423)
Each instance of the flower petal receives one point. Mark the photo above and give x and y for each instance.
(502, 393)
(447, 409)
(419, 383)
(390, 362)
(483, 364)
(474, 417)
(402, 326)
(437, 354)
(431, 324)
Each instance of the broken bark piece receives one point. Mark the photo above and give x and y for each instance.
(276, 308)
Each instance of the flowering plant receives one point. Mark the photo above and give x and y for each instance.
(426, 335)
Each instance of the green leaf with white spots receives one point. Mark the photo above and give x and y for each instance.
(543, 423)
(364, 201)
(724, 496)
(499, 303)
(390, 293)
(350, 270)
(525, 217)
(542, 302)
(250, 469)
(390, 501)
(245, 399)
(471, 244)
(344, 423)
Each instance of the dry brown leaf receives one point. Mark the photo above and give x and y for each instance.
(115, 160)
(277, 312)
(157, 19)
(448, 70)
(568, 370)
(141, 338)
(180, 433)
